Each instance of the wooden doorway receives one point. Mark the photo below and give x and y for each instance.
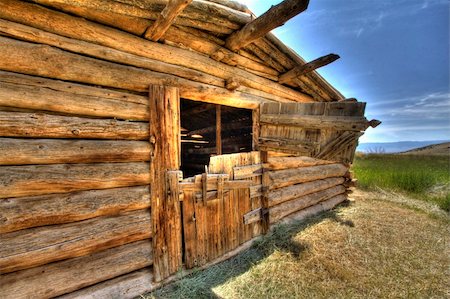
(219, 207)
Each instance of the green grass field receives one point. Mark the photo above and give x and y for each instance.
(422, 177)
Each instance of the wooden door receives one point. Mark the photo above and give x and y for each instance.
(327, 131)
(218, 205)
(164, 114)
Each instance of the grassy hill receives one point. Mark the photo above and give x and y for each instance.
(440, 149)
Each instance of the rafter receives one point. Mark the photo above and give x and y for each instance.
(165, 19)
(276, 16)
(307, 68)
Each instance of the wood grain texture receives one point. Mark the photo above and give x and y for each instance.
(19, 151)
(42, 125)
(277, 212)
(25, 212)
(279, 163)
(23, 32)
(78, 28)
(281, 195)
(307, 67)
(127, 286)
(42, 245)
(73, 274)
(166, 19)
(165, 137)
(44, 98)
(17, 181)
(276, 16)
(283, 178)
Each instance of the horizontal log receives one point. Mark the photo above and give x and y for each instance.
(276, 16)
(70, 275)
(17, 181)
(76, 89)
(42, 245)
(348, 123)
(321, 207)
(280, 211)
(41, 125)
(212, 185)
(291, 192)
(39, 60)
(283, 178)
(17, 151)
(279, 163)
(307, 67)
(28, 33)
(81, 29)
(30, 97)
(127, 286)
(26, 212)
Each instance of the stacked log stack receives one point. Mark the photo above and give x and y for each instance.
(301, 186)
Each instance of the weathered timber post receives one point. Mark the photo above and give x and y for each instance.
(164, 165)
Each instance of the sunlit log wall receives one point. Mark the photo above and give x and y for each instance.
(74, 174)
(302, 186)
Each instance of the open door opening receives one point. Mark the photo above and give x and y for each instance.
(209, 130)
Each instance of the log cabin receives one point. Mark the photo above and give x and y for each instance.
(144, 138)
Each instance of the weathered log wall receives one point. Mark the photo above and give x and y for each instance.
(299, 184)
(74, 177)
(74, 131)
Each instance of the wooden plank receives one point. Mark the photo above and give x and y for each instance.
(166, 139)
(25, 212)
(279, 163)
(219, 130)
(42, 245)
(287, 177)
(291, 192)
(58, 278)
(282, 210)
(247, 171)
(16, 181)
(189, 228)
(165, 19)
(348, 123)
(307, 67)
(17, 151)
(212, 185)
(276, 16)
(256, 128)
(41, 125)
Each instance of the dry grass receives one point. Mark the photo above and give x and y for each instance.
(372, 248)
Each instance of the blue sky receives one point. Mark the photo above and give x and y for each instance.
(394, 56)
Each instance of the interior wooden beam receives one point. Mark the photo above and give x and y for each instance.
(307, 68)
(230, 126)
(166, 19)
(218, 130)
(276, 16)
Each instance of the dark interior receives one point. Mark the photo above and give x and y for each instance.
(198, 133)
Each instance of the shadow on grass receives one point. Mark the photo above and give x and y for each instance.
(200, 284)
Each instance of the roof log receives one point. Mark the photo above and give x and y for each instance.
(165, 19)
(276, 16)
(307, 68)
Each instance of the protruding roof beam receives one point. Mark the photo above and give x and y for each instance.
(306, 68)
(276, 16)
(165, 19)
